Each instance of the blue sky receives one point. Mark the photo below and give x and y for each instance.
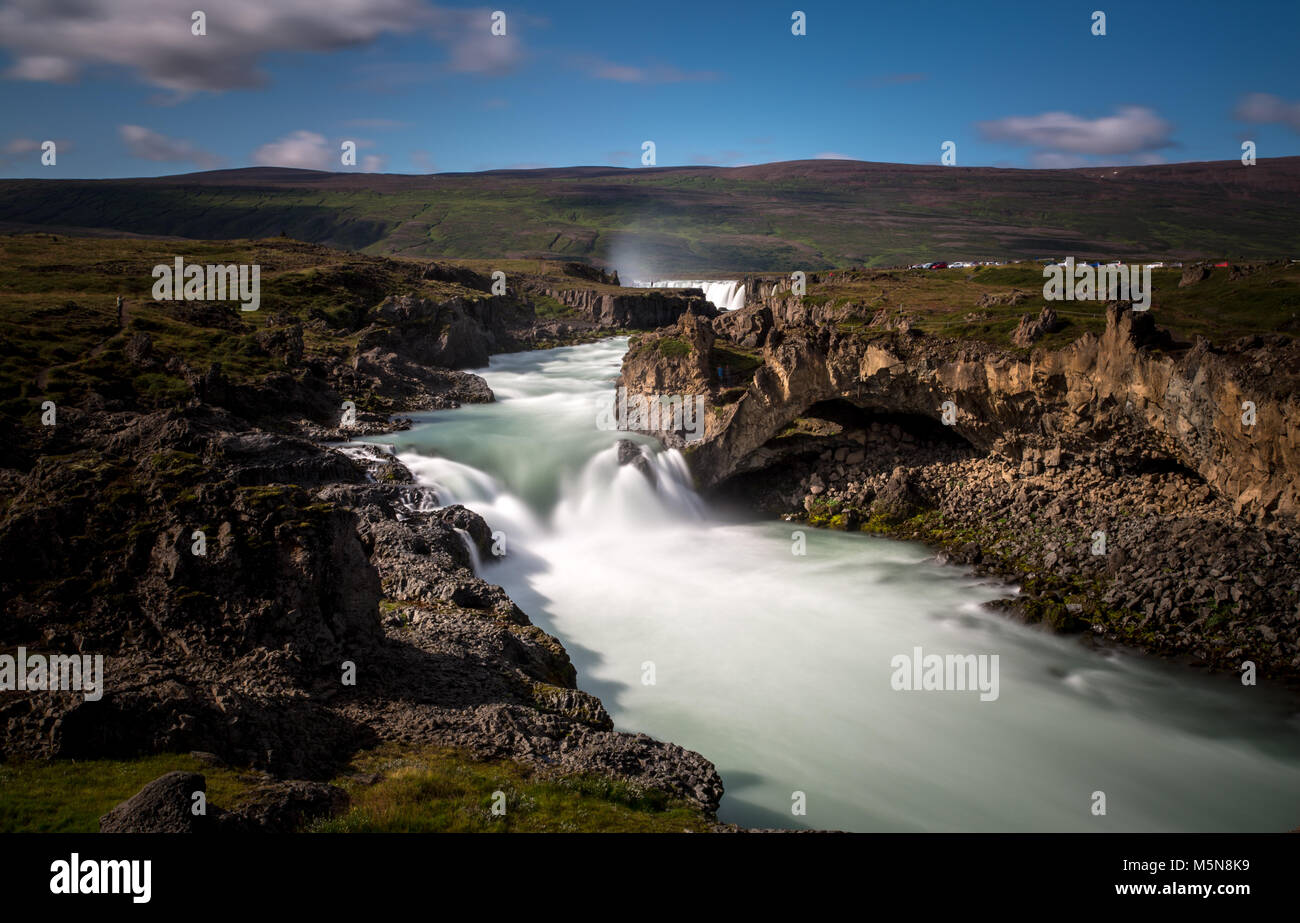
(125, 89)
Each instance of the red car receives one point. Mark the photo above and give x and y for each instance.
(938, 265)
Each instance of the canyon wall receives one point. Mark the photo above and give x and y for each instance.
(1126, 400)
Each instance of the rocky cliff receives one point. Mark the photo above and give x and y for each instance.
(643, 310)
(317, 566)
(1016, 460)
(260, 589)
(1129, 398)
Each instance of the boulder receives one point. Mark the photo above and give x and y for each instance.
(629, 453)
(165, 805)
(900, 498)
(286, 807)
(1194, 274)
(473, 524)
(1031, 330)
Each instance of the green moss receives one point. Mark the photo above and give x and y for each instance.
(826, 513)
(156, 389)
(878, 524)
(548, 308)
(435, 790)
(69, 796)
(672, 347)
(736, 361)
(419, 790)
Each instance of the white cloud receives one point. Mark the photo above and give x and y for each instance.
(58, 41)
(832, 155)
(309, 150)
(17, 150)
(424, 161)
(44, 67)
(474, 49)
(304, 149)
(149, 145)
(22, 146)
(1265, 108)
(1131, 130)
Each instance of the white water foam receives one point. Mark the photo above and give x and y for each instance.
(776, 666)
(728, 296)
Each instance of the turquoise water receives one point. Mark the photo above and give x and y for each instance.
(778, 666)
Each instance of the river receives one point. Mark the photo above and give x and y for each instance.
(706, 628)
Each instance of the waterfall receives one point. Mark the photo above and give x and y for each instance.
(728, 296)
(471, 548)
(771, 643)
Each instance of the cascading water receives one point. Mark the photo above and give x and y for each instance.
(728, 296)
(777, 665)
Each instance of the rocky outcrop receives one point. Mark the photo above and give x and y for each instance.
(640, 310)
(1184, 457)
(176, 802)
(284, 807)
(1128, 398)
(280, 604)
(629, 453)
(454, 334)
(747, 327)
(1152, 559)
(1001, 299)
(165, 805)
(1031, 330)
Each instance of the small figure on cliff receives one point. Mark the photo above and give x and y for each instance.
(121, 311)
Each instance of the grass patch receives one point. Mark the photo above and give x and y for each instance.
(435, 790)
(69, 796)
(672, 347)
(420, 790)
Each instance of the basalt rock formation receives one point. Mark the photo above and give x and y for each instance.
(635, 310)
(1140, 487)
(282, 601)
(1129, 396)
(332, 604)
(166, 804)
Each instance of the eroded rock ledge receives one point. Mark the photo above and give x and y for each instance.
(1128, 434)
(320, 560)
(313, 560)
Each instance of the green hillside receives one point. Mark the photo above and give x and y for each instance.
(800, 215)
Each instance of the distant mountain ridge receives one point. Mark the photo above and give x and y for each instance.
(808, 214)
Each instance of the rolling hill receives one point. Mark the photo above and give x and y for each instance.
(652, 221)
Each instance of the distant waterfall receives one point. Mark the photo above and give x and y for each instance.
(729, 296)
